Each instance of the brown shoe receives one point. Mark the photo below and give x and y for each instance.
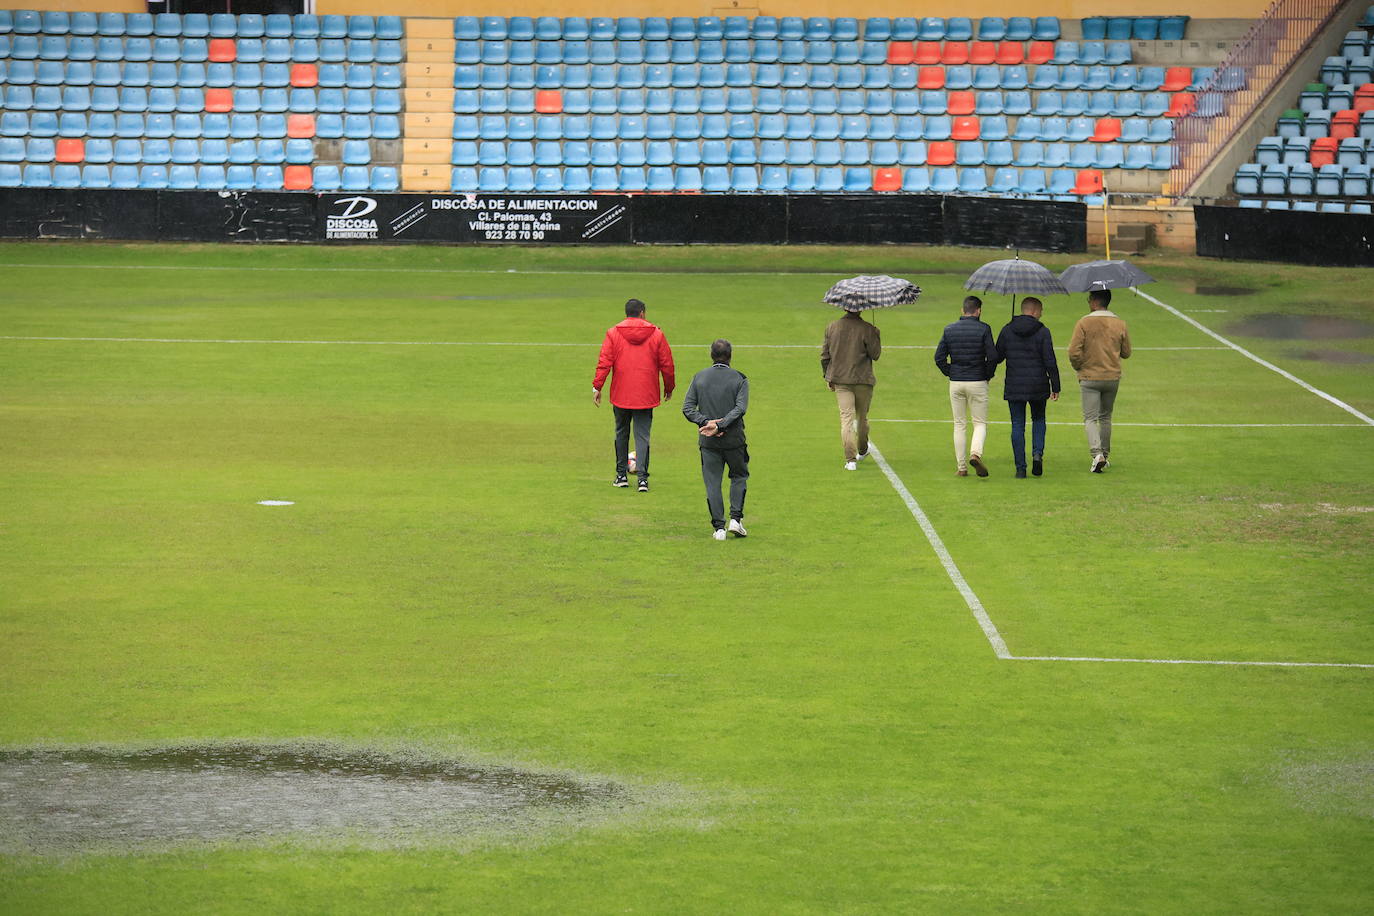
(976, 462)
(961, 473)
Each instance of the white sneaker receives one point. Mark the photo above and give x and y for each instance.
(737, 529)
(861, 456)
(718, 534)
(851, 465)
(1099, 464)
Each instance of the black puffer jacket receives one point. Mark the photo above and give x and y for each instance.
(1032, 372)
(966, 352)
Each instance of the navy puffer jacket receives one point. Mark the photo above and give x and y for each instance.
(1032, 372)
(966, 352)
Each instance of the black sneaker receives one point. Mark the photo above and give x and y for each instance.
(1020, 473)
(644, 485)
(620, 481)
(1037, 465)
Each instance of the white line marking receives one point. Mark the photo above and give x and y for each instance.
(989, 629)
(1165, 425)
(1265, 363)
(999, 645)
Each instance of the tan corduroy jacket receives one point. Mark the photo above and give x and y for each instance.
(851, 345)
(1098, 345)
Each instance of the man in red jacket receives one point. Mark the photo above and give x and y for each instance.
(635, 353)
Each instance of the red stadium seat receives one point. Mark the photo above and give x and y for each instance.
(1177, 78)
(305, 76)
(953, 53)
(1344, 124)
(300, 125)
(940, 152)
(927, 52)
(1181, 104)
(223, 50)
(71, 149)
(1107, 130)
(219, 100)
(1323, 151)
(1089, 182)
(1364, 98)
(887, 179)
(982, 52)
(931, 78)
(961, 102)
(1011, 53)
(1040, 52)
(297, 178)
(966, 128)
(901, 52)
(548, 101)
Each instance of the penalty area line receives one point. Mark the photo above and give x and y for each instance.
(994, 637)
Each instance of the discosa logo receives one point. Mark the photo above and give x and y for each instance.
(351, 222)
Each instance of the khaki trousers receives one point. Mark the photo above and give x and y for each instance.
(969, 399)
(854, 401)
(1099, 397)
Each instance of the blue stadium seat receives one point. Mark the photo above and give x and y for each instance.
(124, 176)
(152, 177)
(37, 176)
(1056, 155)
(182, 178)
(95, 176)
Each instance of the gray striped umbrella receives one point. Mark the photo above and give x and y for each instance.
(859, 294)
(1084, 278)
(1014, 276)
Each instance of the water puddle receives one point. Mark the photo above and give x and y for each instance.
(1202, 290)
(91, 799)
(1302, 327)
(1340, 357)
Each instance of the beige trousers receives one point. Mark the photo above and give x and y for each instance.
(969, 399)
(854, 401)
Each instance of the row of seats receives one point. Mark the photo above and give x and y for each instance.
(199, 25)
(205, 178)
(770, 51)
(1320, 97)
(136, 98)
(1325, 206)
(824, 76)
(809, 127)
(190, 124)
(807, 152)
(787, 28)
(298, 151)
(1321, 151)
(1303, 180)
(1139, 28)
(117, 73)
(1317, 124)
(1030, 183)
(218, 50)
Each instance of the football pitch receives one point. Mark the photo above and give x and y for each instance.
(1150, 690)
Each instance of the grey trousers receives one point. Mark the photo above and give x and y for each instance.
(1099, 397)
(713, 464)
(643, 421)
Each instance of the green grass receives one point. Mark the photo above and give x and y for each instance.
(457, 575)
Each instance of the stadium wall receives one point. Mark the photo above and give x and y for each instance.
(209, 216)
(1289, 236)
(1064, 9)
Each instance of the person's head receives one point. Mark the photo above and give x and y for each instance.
(634, 309)
(1099, 299)
(1032, 306)
(720, 351)
(973, 305)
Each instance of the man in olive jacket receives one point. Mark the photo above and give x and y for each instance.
(715, 403)
(1099, 343)
(1032, 375)
(851, 345)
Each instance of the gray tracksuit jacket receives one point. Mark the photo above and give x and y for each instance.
(718, 393)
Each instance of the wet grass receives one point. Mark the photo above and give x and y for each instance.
(457, 575)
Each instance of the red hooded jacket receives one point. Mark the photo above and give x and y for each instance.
(635, 352)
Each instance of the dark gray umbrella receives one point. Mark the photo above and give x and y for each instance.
(858, 294)
(1014, 276)
(1083, 278)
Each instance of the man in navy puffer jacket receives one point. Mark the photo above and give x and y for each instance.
(967, 355)
(1032, 376)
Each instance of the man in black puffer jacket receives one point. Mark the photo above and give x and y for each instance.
(967, 355)
(1032, 376)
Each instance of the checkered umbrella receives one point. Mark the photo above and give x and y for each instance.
(1014, 276)
(858, 294)
(1084, 278)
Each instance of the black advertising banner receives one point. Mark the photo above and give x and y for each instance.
(467, 218)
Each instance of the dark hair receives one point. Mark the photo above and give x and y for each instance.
(634, 308)
(1031, 302)
(720, 351)
(972, 304)
(1100, 296)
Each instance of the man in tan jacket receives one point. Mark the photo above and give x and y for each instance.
(1098, 345)
(851, 345)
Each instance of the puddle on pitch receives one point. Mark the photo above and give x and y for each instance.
(107, 800)
(1302, 327)
(1203, 290)
(1339, 357)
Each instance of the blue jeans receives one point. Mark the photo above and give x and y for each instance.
(1018, 430)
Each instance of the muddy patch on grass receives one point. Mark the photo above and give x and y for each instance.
(1339, 357)
(1205, 290)
(107, 800)
(1302, 327)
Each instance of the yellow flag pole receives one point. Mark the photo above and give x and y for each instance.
(1106, 227)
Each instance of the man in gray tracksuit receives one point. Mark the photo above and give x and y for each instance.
(715, 402)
